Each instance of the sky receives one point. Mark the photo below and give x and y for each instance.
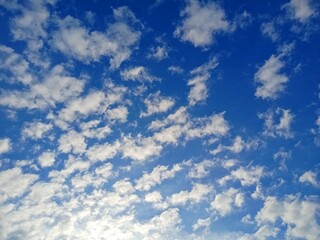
(156, 120)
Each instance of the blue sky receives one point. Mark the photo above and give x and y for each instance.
(159, 120)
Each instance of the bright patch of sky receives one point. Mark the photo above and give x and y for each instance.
(159, 120)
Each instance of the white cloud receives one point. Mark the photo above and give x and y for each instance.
(225, 201)
(201, 169)
(201, 223)
(5, 145)
(265, 232)
(271, 82)
(199, 88)
(159, 52)
(156, 103)
(90, 129)
(198, 193)
(300, 10)
(119, 113)
(309, 177)
(93, 102)
(72, 142)
(14, 183)
(170, 134)
(179, 117)
(117, 42)
(269, 29)
(212, 125)
(175, 69)
(139, 149)
(103, 151)
(46, 159)
(138, 73)
(36, 130)
(156, 177)
(299, 216)
(57, 87)
(238, 146)
(17, 68)
(30, 25)
(247, 176)
(282, 128)
(201, 22)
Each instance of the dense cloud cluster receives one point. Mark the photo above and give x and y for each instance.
(115, 125)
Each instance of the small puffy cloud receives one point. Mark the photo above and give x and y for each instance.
(36, 130)
(46, 159)
(270, 30)
(201, 22)
(175, 69)
(271, 82)
(156, 177)
(298, 216)
(138, 73)
(201, 223)
(159, 52)
(14, 183)
(201, 169)
(101, 152)
(198, 193)
(30, 23)
(72, 142)
(224, 202)
(282, 128)
(5, 145)
(212, 125)
(75, 40)
(238, 146)
(91, 129)
(156, 103)
(300, 10)
(309, 177)
(117, 114)
(198, 83)
(14, 67)
(139, 149)
(246, 176)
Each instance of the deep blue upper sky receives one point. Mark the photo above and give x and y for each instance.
(159, 119)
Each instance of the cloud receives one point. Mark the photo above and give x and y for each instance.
(5, 145)
(91, 129)
(201, 23)
(138, 73)
(247, 176)
(101, 152)
(139, 148)
(57, 87)
(175, 69)
(14, 183)
(238, 146)
(201, 169)
(72, 142)
(224, 202)
(46, 159)
(156, 103)
(309, 177)
(198, 193)
(14, 67)
(268, 29)
(201, 223)
(300, 10)
(156, 177)
(282, 128)
(159, 52)
(75, 40)
(36, 130)
(199, 88)
(299, 216)
(271, 83)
